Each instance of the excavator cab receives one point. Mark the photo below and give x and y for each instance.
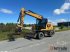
(41, 24)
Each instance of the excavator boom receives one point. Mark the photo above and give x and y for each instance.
(23, 13)
(33, 14)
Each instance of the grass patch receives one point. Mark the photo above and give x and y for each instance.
(64, 29)
(3, 36)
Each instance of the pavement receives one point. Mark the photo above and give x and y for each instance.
(60, 42)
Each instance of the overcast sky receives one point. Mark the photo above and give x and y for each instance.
(54, 10)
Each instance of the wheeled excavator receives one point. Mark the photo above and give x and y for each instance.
(42, 26)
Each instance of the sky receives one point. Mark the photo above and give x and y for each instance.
(54, 10)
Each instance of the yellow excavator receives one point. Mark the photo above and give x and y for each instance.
(42, 27)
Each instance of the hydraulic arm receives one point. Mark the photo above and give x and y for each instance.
(23, 13)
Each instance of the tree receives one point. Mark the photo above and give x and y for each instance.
(62, 26)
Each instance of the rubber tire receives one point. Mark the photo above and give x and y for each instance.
(45, 34)
(50, 33)
(40, 35)
(53, 32)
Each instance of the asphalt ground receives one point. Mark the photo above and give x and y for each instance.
(60, 42)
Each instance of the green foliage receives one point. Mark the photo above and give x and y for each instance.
(3, 35)
(28, 25)
(64, 29)
(62, 26)
(7, 27)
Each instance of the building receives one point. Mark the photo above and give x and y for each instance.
(66, 24)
